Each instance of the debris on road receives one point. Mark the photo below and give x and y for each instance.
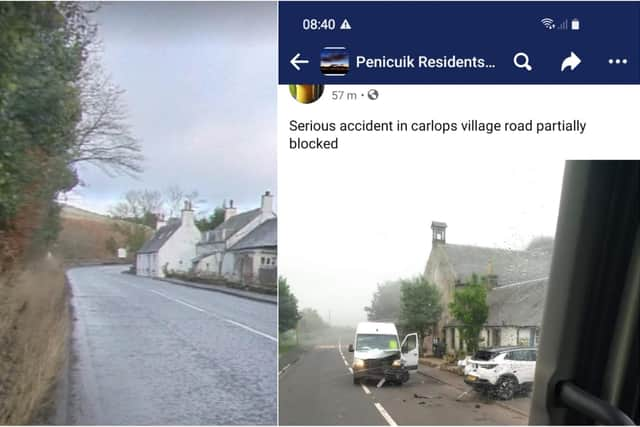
(419, 396)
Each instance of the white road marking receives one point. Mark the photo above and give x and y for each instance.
(233, 322)
(250, 329)
(366, 390)
(385, 414)
(284, 369)
(178, 301)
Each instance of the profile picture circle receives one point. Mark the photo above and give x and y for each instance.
(306, 94)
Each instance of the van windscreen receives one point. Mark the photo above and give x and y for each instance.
(366, 342)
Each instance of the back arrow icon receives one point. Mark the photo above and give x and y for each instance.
(571, 61)
(296, 60)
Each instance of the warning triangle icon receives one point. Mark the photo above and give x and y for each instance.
(345, 25)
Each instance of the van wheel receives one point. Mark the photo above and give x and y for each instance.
(505, 388)
(356, 381)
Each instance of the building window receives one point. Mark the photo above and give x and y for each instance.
(262, 260)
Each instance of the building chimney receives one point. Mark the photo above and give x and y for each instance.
(160, 222)
(229, 211)
(267, 202)
(439, 232)
(492, 278)
(187, 214)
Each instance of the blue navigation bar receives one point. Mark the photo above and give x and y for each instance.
(351, 42)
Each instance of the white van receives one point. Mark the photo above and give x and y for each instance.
(377, 353)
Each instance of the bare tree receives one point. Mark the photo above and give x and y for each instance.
(103, 136)
(174, 196)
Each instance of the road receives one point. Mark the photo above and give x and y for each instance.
(150, 352)
(318, 390)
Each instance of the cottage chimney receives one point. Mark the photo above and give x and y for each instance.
(438, 232)
(230, 211)
(267, 202)
(187, 214)
(492, 278)
(160, 222)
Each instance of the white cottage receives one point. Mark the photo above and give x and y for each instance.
(214, 253)
(255, 255)
(171, 248)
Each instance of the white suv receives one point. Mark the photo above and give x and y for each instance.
(502, 371)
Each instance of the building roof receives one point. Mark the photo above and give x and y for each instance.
(263, 236)
(231, 226)
(511, 266)
(160, 236)
(520, 304)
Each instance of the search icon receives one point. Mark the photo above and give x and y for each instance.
(521, 60)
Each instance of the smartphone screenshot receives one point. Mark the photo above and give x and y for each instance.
(449, 174)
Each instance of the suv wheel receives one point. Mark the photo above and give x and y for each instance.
(505, 388)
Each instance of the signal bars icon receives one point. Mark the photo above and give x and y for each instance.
(550, 24)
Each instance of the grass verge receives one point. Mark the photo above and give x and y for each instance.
(34, 326)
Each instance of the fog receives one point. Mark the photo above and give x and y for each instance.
(377, 228)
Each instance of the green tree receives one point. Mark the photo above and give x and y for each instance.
(421, 306)
(214, 220)
(385, 303)
(49, 119)
(288, 315)
(135, 234)
(469, 306)
(311, 321)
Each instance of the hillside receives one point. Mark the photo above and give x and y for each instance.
(84, 236)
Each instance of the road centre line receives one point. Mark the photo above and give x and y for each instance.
(385, 414)
(366, 390)
(233, 322)
(250, 329)
(178, 301)
(284, 369)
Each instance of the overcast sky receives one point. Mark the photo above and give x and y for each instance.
(201, 93)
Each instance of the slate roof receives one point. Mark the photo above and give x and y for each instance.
(160, 236)
(263, 236)
(232, 225)
(518, 304)
(510, 266)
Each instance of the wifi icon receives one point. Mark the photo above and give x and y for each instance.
(548, 23)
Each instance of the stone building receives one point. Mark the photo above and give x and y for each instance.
(517, 282)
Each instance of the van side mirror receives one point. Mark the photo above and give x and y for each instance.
(350, 348)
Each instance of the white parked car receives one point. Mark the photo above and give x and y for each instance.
(502, 371)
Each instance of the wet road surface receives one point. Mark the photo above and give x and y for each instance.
(150, 352)
(318, 390)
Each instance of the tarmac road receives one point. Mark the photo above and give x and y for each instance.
(318, 390)
(150, 352)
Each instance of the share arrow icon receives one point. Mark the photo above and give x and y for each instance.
(571, 61)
